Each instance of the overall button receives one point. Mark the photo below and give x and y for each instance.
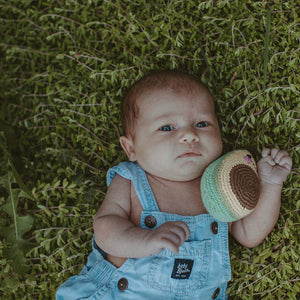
(150, 221)
(122, 284)
(216, 293)
(214, 227)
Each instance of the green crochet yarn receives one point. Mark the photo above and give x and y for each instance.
(230, 186)
(210, 195)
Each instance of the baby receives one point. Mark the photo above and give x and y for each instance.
(153, 238)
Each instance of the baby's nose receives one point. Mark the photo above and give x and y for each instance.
(189, 137)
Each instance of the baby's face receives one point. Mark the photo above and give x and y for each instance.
(176, 135)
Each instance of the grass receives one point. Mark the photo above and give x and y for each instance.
(64, 68)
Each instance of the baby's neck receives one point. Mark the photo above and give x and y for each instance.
(179, 197)
(168, 182)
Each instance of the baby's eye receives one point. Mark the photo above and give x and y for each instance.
(201, 124)
(166, 128)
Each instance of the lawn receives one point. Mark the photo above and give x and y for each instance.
(65, 66)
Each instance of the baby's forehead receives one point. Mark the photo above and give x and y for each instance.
(164, 104)
(156, 95)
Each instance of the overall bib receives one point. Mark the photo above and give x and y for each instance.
(200, 270)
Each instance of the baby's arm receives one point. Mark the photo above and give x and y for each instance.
(118, 236)
(273, 169)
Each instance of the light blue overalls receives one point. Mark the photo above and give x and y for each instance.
(200, 270)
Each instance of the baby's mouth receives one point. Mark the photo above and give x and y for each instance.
(190, 154)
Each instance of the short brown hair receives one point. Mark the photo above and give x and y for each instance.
(177, 81)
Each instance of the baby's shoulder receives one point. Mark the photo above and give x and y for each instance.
(127, 170)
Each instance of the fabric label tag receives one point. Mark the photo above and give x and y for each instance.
(182, 268)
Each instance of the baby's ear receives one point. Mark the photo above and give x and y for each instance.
(128, 147)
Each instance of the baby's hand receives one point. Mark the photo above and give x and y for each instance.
(274, 166)
(170, 235)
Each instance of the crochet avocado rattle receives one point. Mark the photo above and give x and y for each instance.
(230, 186)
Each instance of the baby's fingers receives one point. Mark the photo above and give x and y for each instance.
(274, 153)
(276, 156)
(266, 158)
(265, 152)
(171, 242)
(279, 155)
(178, 231)
(286, 162)
(181, 229)
(173, 235)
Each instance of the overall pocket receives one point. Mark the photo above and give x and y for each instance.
(182, 273)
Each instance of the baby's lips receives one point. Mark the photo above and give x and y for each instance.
(189, 154)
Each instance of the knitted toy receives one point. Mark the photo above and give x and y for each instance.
(230, 186)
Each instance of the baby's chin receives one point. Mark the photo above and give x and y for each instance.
(182, 173)
(186, 178)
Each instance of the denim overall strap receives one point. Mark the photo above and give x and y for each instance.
(137, 175)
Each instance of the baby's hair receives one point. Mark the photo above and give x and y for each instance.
(174, 80)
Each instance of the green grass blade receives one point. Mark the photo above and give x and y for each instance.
(266, 52)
